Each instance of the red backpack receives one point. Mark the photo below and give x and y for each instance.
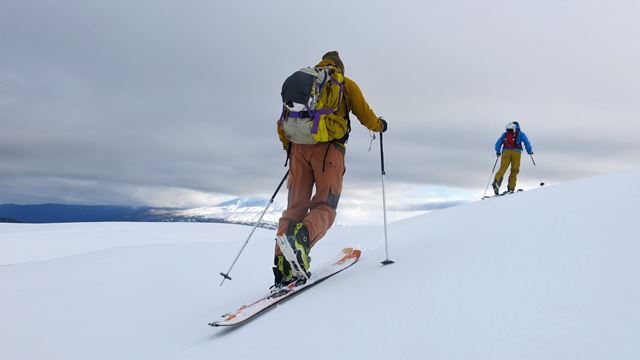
(510, 140)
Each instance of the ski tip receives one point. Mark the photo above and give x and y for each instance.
(348, 254)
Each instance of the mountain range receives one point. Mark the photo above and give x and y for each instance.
(237, 211)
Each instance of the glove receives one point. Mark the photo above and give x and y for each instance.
(530, 152)
(384, 124)
(498, 154)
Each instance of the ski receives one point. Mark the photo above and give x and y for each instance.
(501, 194)
(345, 259)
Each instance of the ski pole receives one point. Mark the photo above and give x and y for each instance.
(384, 208)
(491, 176)
(534, 164)
(225, 276)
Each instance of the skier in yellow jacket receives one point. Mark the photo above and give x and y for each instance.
(308, 218)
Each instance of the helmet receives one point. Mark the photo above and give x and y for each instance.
(511, 126)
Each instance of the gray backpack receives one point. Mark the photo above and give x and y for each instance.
(308, 97)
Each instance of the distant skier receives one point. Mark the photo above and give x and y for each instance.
(315, 139)
(509, 146)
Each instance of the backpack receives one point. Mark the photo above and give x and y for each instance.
(510, 140)
(310, 98)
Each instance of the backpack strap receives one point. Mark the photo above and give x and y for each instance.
(299, 114)
(316, 118)
(284, 113)
(286, 163)
(324, 161)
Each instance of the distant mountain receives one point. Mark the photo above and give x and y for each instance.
(60, 213)
(237, 211)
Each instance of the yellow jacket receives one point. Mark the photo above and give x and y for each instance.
(353, 101)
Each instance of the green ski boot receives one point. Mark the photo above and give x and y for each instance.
(282, 273)
(299, 241)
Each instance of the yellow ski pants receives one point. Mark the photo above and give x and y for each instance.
(509, 157)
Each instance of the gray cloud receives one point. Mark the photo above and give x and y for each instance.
(99, 100)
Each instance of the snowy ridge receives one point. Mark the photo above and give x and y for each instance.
(550, 273)
(238, 211)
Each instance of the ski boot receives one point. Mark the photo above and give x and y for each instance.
(510, 191)
(282, 274)
(496, 187)
(299, 241)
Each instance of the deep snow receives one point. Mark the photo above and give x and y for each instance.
(550, 273)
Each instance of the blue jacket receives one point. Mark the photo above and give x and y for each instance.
(522, 138)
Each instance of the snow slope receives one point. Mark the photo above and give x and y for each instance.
(550, 273)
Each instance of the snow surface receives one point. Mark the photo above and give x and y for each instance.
(550, 273)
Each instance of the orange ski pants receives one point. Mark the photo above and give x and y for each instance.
(320, 165)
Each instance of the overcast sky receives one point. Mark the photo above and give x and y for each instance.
(173, 103)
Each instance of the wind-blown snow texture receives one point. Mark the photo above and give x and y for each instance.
(546, 274)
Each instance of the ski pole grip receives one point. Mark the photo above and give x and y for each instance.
(381, 155)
